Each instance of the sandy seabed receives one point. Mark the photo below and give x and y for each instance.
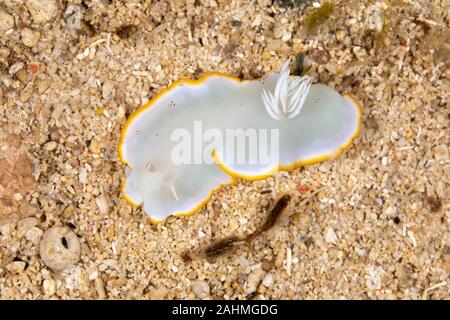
(371, 224)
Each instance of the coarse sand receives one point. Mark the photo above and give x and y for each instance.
(371, 224)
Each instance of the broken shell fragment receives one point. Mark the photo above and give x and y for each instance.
(59, 248)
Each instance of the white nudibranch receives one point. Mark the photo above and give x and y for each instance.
(306, 123)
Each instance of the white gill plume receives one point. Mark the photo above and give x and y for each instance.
(289, 96)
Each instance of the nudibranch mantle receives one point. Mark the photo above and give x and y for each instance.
(314, 125)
